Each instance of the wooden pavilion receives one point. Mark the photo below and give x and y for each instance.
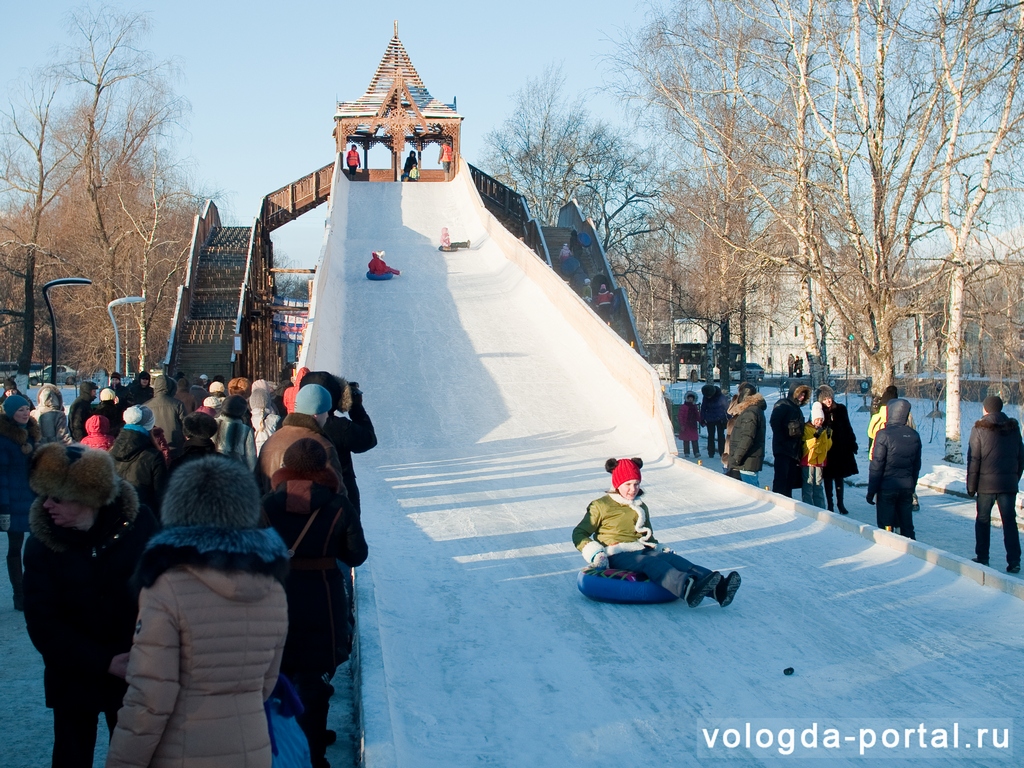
(397, 109)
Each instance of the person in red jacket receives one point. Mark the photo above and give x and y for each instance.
(97, 433)
(352, 161)
(689, 425)
(293, 390)
(378, 267)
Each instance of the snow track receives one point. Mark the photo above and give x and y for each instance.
(494, 416)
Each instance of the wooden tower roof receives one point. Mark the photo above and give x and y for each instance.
(396, 81)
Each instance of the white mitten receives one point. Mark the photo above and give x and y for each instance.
(594, 554)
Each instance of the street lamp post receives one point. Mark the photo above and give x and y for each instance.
(53, 321)
(117, 335)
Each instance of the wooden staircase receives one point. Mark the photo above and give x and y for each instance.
(207, 337)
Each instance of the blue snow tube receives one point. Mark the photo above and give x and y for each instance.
(609, 585)
(584, 239)
(385, 276)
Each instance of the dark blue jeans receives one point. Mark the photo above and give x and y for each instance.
(983, 525)
(716, 428)
(668, 570)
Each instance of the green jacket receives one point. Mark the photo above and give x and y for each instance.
(614, 525)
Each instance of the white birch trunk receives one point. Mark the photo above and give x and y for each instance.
(954, 363)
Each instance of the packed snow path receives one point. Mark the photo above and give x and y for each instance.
(494, 420)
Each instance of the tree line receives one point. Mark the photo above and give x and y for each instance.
(866, 150)
(90, 186)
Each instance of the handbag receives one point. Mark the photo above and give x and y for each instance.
(287, 741)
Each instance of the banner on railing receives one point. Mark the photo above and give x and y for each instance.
(289, 327)
(280, 302)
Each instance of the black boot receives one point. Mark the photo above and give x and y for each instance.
(15, 573)
(839, 497)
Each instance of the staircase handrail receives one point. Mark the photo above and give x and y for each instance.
(203, 224)
(512, 210)
(571, 217)
(243, 294)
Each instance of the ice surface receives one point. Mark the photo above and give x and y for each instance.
(494, 420)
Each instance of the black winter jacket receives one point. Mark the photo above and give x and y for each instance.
(142, 464)
(79, 608)
(896, 456)
(995, 455)
(78, 414)
(352, 435)
(841, 460)
(788, 424)
(746, 443)
(318, 638)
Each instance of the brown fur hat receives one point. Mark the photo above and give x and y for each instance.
(74, 472)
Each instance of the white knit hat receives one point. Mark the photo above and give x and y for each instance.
(817, 412)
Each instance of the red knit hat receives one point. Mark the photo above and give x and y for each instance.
(623, 470)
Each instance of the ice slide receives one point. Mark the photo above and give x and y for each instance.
(495, 407)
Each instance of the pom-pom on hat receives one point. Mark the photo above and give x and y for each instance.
(212, 491)
(14, 403)
(107, 394)
(74, 473)
(623, 470)
(312, 400)
(817, 412)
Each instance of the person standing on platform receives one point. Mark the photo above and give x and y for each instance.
(446, 161)
(352, 161)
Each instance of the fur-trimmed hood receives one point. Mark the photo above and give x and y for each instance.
(112, 521)
(752, 400)
(26, 439)
(796, 390)
(998, 422)
(49, 399)
(302, 420)
(257, 551)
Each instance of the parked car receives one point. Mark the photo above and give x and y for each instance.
(755, 374)
(65, 375)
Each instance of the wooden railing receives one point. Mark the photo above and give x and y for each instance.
(571, 217)
(290, 202)
(510, 208)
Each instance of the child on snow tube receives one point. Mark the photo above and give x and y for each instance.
(378, 270)
(616, 532)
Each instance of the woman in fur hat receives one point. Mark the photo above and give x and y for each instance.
(211, 629)
(49, 414)
(616, 532)
(19, 436)
(842, 456)
(199, 429)
(310, 511)
(235, 438)
(88, 532)
(137, 458)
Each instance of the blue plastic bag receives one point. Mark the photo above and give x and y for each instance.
(287, 741)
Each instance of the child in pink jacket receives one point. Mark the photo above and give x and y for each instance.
(689, 424)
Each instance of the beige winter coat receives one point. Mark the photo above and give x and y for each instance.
(206, 656)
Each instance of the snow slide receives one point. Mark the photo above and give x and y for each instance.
(497, 397)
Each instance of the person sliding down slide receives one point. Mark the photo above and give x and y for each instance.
(378, 270)
(616, 532)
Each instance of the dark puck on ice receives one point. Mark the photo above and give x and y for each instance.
(787, 671)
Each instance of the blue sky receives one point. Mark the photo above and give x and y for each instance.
(263, 78)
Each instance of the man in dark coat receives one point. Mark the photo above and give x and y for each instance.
(995, 462)
(168, 412)
(895, 467)
(788, 439)
(110, 407)
(81, 410)
(88, 532)
(308, 508)
(312, 404)
(841, 461)
(124, 396)
(746, 443)
(138, 460)
(714, 415)
(354, 434)
(139, 391)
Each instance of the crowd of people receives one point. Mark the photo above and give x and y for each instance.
(189, 544)
(816, 455)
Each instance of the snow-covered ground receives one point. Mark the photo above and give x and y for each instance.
(494, 420)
